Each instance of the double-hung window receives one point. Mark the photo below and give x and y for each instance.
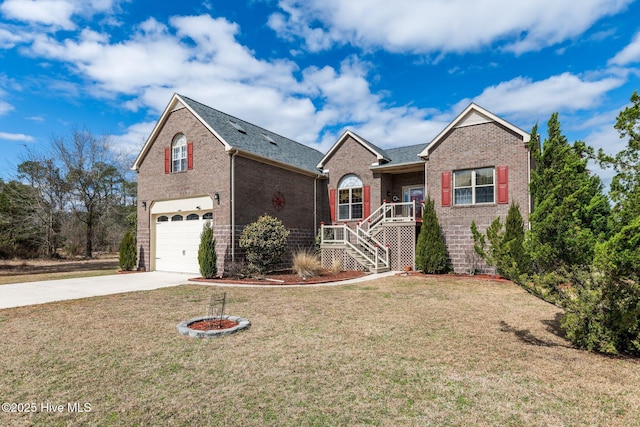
(179, 153)
(350, 198)
(474, 186)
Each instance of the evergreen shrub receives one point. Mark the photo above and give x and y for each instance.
(207, 257)
(431, 251)
(128, 257)
(265, 243)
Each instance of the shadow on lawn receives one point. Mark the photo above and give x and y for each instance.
(526, 336)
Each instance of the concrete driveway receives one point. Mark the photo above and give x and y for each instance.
(21, 294)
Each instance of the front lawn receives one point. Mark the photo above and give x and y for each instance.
(398, 351)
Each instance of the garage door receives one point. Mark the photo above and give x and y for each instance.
(177, 241)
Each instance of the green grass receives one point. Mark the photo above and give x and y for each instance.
(401, 351)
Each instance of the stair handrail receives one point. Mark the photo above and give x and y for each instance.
(373, 255)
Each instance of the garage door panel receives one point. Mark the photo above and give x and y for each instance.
(177, 245)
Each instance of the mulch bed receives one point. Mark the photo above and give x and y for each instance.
(286, 278)
(212, 324)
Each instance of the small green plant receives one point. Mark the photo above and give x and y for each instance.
(207, 258)
(128, 257)
(306, 264)
(265, 243)
(431, 251)
(506, 247)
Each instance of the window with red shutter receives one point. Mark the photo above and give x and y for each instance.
(189, 155)
(332, 204)
(367, 201)
(446, 188)
(503, 184)
(167, 160)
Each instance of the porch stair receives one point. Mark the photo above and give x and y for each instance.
(361, 243)
(366, 263)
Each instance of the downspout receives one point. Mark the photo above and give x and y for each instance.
(233, 205)
(315, 206)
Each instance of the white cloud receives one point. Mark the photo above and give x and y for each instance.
(9, 39)
(5, 107)
(130, 143)
(15, 137)
(420, 26)
(522, 97)
(55, 13)
(199, 56)
(630, 54)
(48, 12)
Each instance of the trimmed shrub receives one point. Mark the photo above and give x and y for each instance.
(431, 251)
(207, 258)
(265, 242)
(306, 264)
(128, 257)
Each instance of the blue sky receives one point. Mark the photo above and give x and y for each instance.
(395, 72)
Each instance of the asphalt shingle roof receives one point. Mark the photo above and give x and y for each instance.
(255, 140)
(403, 155)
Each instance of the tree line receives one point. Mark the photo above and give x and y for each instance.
(582, 250)
(74, 200)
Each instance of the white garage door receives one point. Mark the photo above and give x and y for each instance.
(177, 242)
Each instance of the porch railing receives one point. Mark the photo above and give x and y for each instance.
(365, 245)
(389, 212)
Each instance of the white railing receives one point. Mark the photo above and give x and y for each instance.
(362, 240)
(389, 212)
(362, 243)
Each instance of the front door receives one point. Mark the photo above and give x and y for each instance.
(414, 193)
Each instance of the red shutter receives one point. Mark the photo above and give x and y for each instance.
(332, 204)
(189, 155)
(503, 184)
(167, 160)
(446, 188)
(367, 201)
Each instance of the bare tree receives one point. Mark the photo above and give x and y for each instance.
(95, 183)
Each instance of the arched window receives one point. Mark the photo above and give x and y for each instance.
(163, 218)
(179, 153)
(208, 215)
(177, 218)
(350, 198)
(193, 217)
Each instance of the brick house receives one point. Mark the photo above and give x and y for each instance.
(200, 164)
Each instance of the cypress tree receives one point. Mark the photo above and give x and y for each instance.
(128, 257)
(570, 211)
(431, 251)
(207, 258)
(516, 259)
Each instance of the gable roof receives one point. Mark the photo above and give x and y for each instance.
(380, 154)
(473, 115)
(404, 155)
(241, 136)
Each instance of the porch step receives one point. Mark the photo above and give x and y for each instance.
(380, 268)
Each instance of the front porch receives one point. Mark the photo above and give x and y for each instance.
(384, 241)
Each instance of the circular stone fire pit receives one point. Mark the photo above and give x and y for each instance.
(227, 327)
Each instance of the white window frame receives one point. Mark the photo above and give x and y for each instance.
(348, 184)
(179, 153)
(474, 186)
